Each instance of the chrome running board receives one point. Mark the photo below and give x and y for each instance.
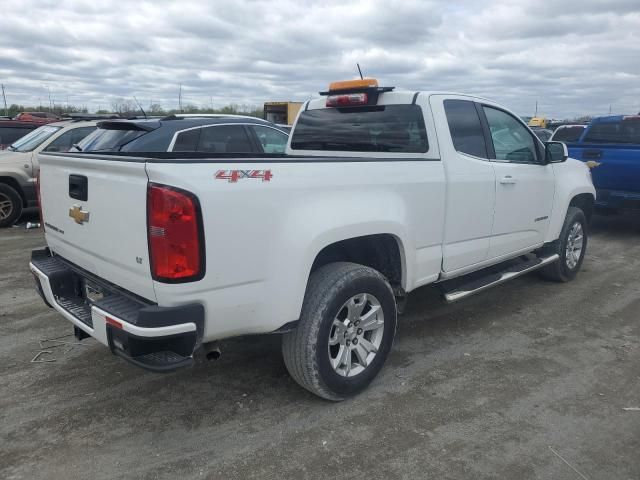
(496, 278)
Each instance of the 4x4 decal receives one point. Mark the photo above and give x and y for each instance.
(234, 175)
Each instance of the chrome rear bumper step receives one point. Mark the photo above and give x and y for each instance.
(496, 278)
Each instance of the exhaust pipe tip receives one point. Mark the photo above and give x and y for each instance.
(214, 354)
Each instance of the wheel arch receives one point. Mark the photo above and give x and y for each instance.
(383, 252)
(13, 183)
(585, 202)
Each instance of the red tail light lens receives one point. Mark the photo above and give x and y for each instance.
(176, 240)
(347, 100)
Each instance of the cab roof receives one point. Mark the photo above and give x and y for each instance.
(175, 123)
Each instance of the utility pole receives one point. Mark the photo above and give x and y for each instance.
(609, 109)
(180, 99)
(6, 110)
(536, 114)
(50, 102)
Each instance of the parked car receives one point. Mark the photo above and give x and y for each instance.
(380, 192)
(19, 163)
(40, 118)
(187, 133)
(567, 133)
(12, 130)
(612, 146)
(542, 133)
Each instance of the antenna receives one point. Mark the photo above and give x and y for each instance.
(359, 71)
(140, 106)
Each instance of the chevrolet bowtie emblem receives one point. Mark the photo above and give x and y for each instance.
(78, 215)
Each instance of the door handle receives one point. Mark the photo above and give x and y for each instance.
(592, 154)
(507, 180)
(78, 187)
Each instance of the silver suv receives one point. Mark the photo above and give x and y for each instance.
(19, 163)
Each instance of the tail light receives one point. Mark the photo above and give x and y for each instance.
(347, 100)
(176, 238)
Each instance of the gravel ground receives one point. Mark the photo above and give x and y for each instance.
(528, 380)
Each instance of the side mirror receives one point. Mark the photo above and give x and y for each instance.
(555, 152)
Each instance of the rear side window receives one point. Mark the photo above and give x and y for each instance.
(108, 140)
(271, 140)
(187, 141)
(8, 135)
(384, 128)
(224, 139)
(624, 131)
(567, 134)
(68, 139)
(465, 127)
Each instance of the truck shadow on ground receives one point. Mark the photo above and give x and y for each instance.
(623, 225)
(251, 372)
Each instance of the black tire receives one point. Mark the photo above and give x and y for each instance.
(561, 271)
(12, 203)
(306, 349)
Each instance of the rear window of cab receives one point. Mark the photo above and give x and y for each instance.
(626, 130)
(381, 128)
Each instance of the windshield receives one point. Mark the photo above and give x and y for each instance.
(105, 139)
(34, 139)
(388, 128)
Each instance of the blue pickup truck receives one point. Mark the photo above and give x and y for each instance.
(611, 146)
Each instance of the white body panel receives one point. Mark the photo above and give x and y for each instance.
(524, 199)
(262, 237)
(470, 197)
(447, 211)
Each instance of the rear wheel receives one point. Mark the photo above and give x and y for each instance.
(345, 332)
(570, 247)
(10, 205)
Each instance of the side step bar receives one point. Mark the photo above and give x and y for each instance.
(491, 280)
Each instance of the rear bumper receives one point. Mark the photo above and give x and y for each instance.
(618, 199)
(159, 339)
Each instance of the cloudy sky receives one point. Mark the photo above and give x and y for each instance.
(573, 56)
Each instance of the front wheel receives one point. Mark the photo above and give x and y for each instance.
(345, 332)
(570, 247)
(10, 205)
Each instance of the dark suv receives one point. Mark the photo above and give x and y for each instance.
(12, 129)
(187, 133)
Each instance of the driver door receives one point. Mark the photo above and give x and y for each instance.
(525, 185)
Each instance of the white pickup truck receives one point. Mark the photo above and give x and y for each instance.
(380, 192)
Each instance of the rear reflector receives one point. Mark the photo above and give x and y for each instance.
(347, 100)
(38, 199)
(113, 323)
(176, 248)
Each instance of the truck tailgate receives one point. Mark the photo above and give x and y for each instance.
(94, 212)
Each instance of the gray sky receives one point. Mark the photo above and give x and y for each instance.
(573, 56)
